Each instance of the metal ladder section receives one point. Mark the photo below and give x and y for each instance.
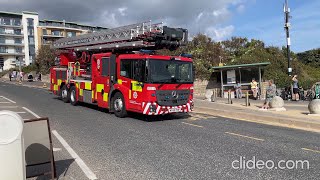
(121, 35)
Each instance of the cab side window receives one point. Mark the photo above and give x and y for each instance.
(133, 69)
(126, 68)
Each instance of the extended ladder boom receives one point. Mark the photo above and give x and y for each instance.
(140, 35)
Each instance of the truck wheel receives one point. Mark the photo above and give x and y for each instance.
(119, 105)
(73, 96)
(64, 94)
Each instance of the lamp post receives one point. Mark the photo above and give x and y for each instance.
(287, 16)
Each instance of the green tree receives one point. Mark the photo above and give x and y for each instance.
(45, 58)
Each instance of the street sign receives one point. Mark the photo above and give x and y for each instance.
(38, 145)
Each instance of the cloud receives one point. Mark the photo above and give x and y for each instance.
(241, 8)
(194, 15)
(122, 10)
(220, 33)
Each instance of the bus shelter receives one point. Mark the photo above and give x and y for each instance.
(242, 73)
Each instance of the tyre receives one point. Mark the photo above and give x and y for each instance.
(119, 106)
(73, 96)
(65, 94)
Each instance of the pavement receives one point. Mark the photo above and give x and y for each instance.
(296, 114)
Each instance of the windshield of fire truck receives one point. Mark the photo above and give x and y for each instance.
(169, 71)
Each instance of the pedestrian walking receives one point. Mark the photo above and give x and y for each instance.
(237, 87)
(270, 93)
(21, 75)
(39, 76)
(10, 75)
(254, 88)
(295, 87)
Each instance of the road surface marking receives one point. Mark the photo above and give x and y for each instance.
(306, 149)
(5, 102)
(56, 149)
(20, 112)
(35, 115)
(8, 106)
(25, 119)
(192, 125)
(258, 139)
(7, 99)
(75, 156)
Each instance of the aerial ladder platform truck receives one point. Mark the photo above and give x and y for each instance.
(118, 69)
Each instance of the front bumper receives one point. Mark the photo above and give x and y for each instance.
(152, 108)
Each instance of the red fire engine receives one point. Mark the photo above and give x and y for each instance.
(117, 69)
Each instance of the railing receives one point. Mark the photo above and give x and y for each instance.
(7, 33)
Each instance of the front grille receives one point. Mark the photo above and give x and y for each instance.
(172, 97)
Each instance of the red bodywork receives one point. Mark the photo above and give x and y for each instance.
(140, 99)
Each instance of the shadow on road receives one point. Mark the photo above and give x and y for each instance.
(62, 167)
(137, 116)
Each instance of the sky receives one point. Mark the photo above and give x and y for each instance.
(219, 19)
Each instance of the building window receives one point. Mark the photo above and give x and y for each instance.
(71, 34)
(44, 32)
(3, 49)
(30, 21)
(18, 50)
(1, 62)
(17, 22)
(56, 33)
(17, 41)
(2, 39)
(6, 21)
(30, 32)
(2, 30)
(32, 50)
(31, 40)
(17, 31)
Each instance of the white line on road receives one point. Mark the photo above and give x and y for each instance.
(7, 99)
(35, 115)
(8, 106)
(56, 149)
(192, 125)
(5, 102)
(306, 149)
(74, 155)
(240, 135)
(20, 112)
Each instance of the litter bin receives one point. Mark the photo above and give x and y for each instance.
(12, 161)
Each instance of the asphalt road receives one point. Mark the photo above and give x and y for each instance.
(174, 147)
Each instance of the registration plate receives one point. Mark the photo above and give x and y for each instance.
(175, 109)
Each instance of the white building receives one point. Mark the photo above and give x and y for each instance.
(18, 38)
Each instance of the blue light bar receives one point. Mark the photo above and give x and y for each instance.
(145, 51)
(186, 55)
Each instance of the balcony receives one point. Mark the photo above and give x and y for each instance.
(12, 25)
(11, 34)
(12, 44)
(54, 35)
(6, 53)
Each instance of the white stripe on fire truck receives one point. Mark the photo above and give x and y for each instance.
(146, 108)
(158, 108)
(188, 106)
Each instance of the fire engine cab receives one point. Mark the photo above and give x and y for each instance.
(118, 69)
